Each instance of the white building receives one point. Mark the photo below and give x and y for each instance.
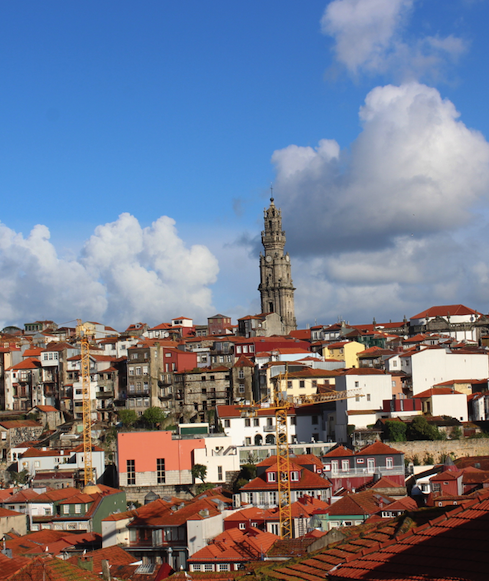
(365, 408)
(35, 459)
(434, 365)
(219, 456)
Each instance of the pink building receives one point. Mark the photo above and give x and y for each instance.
(154, 458)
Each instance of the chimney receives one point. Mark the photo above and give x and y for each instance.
(105, 570)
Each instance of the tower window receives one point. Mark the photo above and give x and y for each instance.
(271, 307)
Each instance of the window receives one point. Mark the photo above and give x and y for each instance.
(219, 472)
(272, 477)
(371, 465)
(247, 441)
(160, 470)
(145, 370)
(368, 397)
(241, 374)
(357, 384)
(289, 384)
(314, 420)
(247, 422)
(242, 526)
(274, 528)
(389, 463)
(131, 471)
(357, 398)
(256, 422)
(302, 383)
(241, 388)
(294, 476)
(131, 370)
(138, 370)
(227, 423)
(66, 509)
(293, 421)
(345, 465)
(223, 566)
(208, 567)
(77, 508)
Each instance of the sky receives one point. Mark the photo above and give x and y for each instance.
(139, 142)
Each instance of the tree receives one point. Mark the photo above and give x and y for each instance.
(395, 431)
(420, 429)
(127, 417)
(199, 471)
(154, 416)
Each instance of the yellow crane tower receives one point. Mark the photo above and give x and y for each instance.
(281, 403)
(84, 334)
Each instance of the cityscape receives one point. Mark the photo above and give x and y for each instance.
(189, 449)
(244, 319)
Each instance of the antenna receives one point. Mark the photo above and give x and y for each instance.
(271, 193)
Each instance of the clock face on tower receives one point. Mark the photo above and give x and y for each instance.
(268, 258)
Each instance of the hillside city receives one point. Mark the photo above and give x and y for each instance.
(222, 448)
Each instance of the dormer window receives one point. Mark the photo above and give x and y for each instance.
(271, 477)
(294, 476)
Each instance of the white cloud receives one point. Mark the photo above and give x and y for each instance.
(387, 224)
(368, 38)
(126, 273)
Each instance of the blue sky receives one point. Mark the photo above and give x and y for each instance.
(117, 114)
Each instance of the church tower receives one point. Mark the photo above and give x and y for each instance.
(276, 287)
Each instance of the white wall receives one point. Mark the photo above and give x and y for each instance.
(432, 366)
(217, 453)
(453, 405)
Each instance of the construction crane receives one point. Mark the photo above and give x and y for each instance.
(84, 334)
(281, 404)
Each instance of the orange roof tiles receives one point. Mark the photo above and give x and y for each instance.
(444, 311)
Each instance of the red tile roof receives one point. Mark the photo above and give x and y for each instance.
(451, 547)
(444, 311)
(235, 546)
(339, 451)
(437, 391)
(114, 554)
(48, 568)
(377, 448)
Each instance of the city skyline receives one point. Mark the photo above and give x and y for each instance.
(140, 142)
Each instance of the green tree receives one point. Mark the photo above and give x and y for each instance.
(395, 431)
(199, 471)
(20, 477)
(153, 416)
(420, 429)
(127, 417)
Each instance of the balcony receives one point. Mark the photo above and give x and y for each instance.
(269, 428)
(382, 470)
(104, 394)
(142, 393)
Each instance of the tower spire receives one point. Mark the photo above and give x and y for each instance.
(276, 286)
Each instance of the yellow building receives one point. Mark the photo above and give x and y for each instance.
(307, 381)
(347, 351)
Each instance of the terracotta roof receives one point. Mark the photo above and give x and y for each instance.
(437, 391)
(5, 512)
(444, 311)
(364, 371)
(114, 554)
(48, 568)
(364, 503)
(12, 424)
(234, 546)
(339, 451)
(377, 448)
(243, 361)
(451, 547)
(29, 363)
(56, 495)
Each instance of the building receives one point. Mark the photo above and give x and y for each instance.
(276, 286)
(262, 491)
(350, 470)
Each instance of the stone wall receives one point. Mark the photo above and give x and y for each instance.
(439, 449)
(137, 493)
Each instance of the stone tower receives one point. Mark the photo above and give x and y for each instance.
(276, 287)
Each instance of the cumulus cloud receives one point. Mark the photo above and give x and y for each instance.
(125, 273)
(384, 224)
(415, 169)
(368, 38)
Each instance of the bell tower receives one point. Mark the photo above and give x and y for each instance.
(276, 287)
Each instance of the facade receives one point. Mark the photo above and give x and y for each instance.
(305, 480)
(349, 470)
(151, 459)
(366, 407)
(276, 286)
